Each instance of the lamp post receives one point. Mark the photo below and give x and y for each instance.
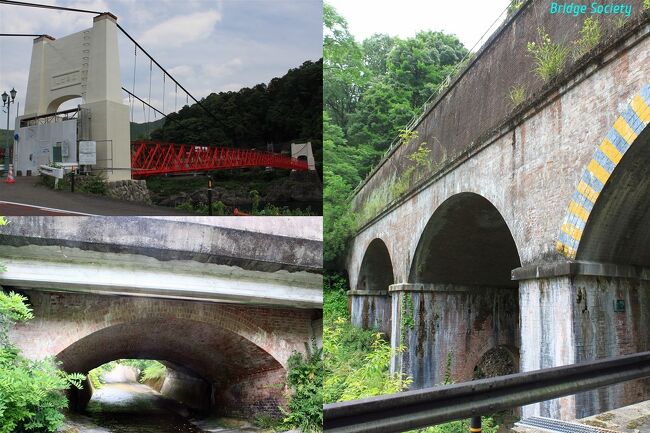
(6, 102)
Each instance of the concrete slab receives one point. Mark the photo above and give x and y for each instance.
(628, 419)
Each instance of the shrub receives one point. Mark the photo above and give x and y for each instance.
(267, 421)
(93, 184)
(335, 298)
(590, 35)
(549, 57)
(219, 209)
(31, 392)
(357, 363)
(255, 200)
(186, 206)
(517, 94)
(305, 379)
(646, 5)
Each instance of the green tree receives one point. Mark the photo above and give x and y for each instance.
(344, 74)
(31, 392)
(340, 176)
(376, 49)
(419, 65)
(371, 91)
(380, 115)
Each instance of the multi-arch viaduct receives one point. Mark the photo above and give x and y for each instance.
(525, 239)
(224, 303)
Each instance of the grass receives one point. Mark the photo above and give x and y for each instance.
(590, 35)
(517, 94)
(549, 56)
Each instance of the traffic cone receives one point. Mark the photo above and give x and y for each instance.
(10, 175)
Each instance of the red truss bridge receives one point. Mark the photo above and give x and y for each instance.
(150, 158)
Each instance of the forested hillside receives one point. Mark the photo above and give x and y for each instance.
(285, 109)
(372, 89)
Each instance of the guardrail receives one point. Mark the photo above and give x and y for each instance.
(417, 409)
(57, 172)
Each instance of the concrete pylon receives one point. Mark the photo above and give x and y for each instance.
(85, 64)
(303, 150)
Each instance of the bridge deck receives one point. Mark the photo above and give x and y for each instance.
(151, 158)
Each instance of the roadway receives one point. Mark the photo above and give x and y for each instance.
(28, 197)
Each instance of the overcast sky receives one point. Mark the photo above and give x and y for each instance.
(467, 19)
(208, 45)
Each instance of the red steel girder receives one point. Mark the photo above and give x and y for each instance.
(150, 158)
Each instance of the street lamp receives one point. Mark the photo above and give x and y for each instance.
(6, 102)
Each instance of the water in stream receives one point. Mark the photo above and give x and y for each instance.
(132, 408)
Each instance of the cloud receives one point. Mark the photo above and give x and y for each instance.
(207, 45)
(223, 69)
(182, 71)
(182, 29)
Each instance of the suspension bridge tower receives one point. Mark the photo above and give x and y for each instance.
(81, 65)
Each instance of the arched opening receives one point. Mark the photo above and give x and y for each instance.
(461, 302)
(370, 302)
(208, 370)
(618, 228)
(64, 103)
(466, 241)
(613, 307)
(376, 272)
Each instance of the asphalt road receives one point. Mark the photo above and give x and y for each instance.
(28, 197)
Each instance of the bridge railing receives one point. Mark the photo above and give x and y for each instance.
(151, 158)
(421, 408)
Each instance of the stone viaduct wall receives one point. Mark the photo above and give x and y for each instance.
(544, 202)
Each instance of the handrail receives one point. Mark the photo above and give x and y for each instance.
(417, 409)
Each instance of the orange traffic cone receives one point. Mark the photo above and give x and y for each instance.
(10, 175)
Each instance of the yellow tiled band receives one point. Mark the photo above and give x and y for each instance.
(641, 109)
(587, 191)
(625, 130)
(578, 210)
(609, 153)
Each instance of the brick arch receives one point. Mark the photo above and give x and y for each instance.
(263, 327)
(623, 134)
(209, 351)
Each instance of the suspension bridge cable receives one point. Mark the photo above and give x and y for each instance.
(149, 116)
(187, 93)
(20, 34)
(37, 5)
(61, 8)
(152, 107)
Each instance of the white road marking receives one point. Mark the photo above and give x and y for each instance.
(43, 208)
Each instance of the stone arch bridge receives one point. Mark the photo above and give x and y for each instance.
(223, 303)
(523, 243)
